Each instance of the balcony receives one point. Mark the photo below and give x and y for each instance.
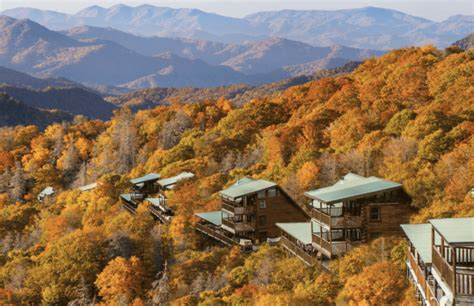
(303, 255)
(460, 278)
(419, 276)
(237, 210)
(215, 234)
(160, 215)
(333, 248)
(239, 226)
(330, 217)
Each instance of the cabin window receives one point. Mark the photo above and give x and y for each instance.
(353, 208)
(337, 235)
(353, 234)
(262, 220)
(263, 203)
(272, 192)
(375, 214)
(261, 194)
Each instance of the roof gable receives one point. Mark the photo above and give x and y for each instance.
(246, 187)
(148, 177)
(352, 186)
(175, 179)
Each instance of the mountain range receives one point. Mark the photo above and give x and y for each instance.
(369, 27)
(110, 57)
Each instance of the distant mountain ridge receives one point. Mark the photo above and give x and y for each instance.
(369, 27)
(14, 112)
(98, 56)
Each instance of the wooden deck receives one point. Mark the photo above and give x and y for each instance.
(420, 278)
(159, 215)
(215, 234)
(298, 252)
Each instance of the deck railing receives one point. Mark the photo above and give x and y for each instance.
(239, 226)
(298, 251)
(159, 214)
(443, 267)
(213, 233)
(238, 210)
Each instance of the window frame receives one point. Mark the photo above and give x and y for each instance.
(371, 214)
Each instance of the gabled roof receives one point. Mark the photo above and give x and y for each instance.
(246, 186)
(148, 177)
(126, 196)
(214, 217)
(300, 231)
(175, 179)
(352, 186)
(47, 191)
(158, 202)
(420, 236)
(455, 230)
(88, 187)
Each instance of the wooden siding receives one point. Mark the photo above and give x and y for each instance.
(391, 216)
(279, 209)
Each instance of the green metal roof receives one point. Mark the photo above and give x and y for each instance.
(246, 186)
(175, 179)
(420, 236)
(214, 217)
(300, 231)
(126, 196)
(145, 178)
(47, 191)
(455, 230)
(351, 186)
(88, 187)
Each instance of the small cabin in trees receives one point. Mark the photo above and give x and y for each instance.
(159, 207)
(440, 260)
(46, 192)
(353, 211)
(250, 210)
(141, 188)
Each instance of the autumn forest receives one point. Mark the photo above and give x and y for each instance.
(406, 116)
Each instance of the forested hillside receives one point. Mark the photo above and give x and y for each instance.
(406, 116)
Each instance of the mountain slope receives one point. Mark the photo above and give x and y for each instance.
(466, 43)
(72, 100)
(14, 112)
(16, 78)
(369, 27)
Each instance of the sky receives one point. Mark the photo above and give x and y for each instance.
(432, 9)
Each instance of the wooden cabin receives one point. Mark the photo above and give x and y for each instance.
(440, 260)
(145, 184)
(355, 210)
(349, 213)
(250, 210)
(159, 207)
(141, 188)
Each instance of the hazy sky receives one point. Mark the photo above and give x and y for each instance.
(431, 9)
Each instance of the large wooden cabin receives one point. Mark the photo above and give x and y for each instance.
(440, 261)
(249, 213)
(351, 212)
